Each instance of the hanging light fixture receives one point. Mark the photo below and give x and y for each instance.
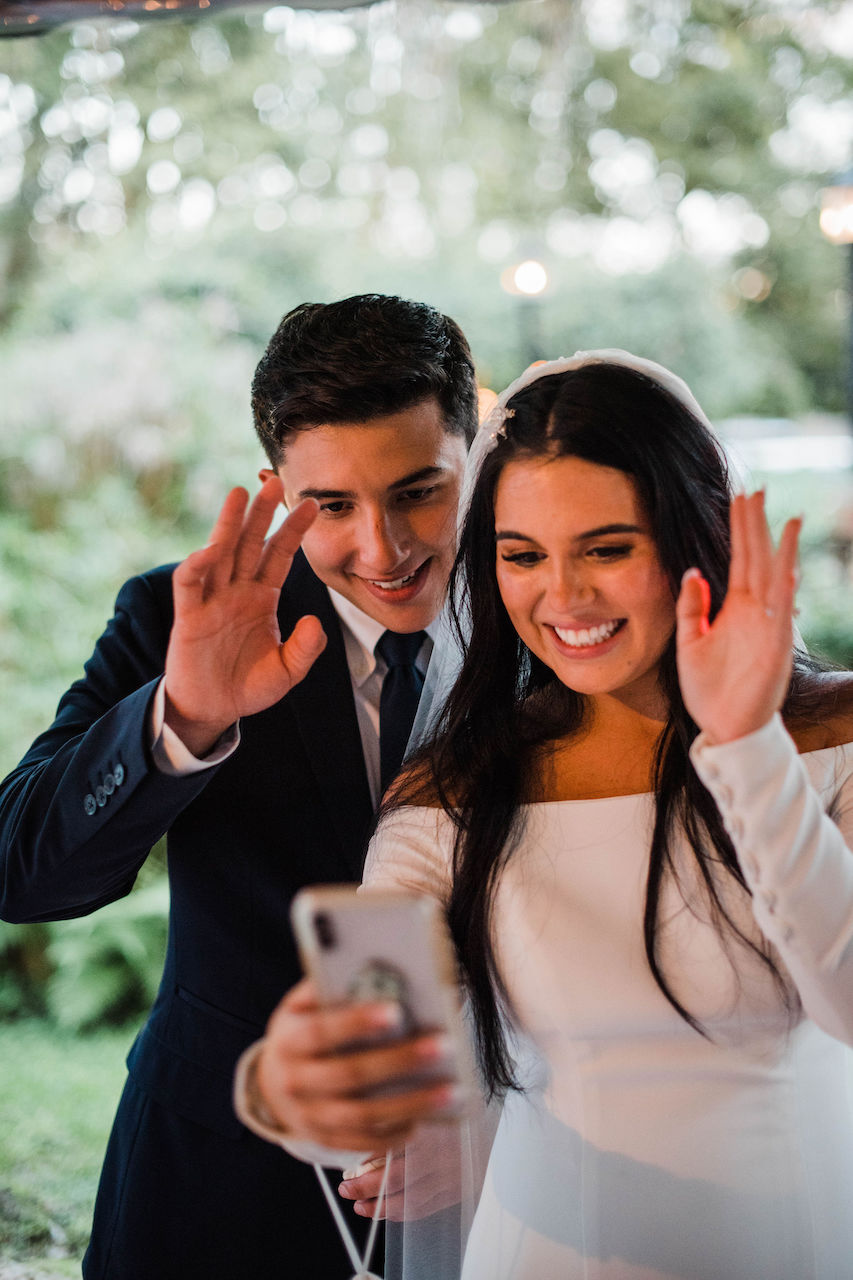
(32, 17)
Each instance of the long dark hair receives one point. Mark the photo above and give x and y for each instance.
(506, 703)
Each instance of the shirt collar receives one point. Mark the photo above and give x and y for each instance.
(361, 633)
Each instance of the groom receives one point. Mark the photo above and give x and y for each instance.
(262, 760)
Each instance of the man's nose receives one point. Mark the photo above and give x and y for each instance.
(384, 542)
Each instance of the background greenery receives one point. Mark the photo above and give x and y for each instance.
(168, 191)
(56, 1105)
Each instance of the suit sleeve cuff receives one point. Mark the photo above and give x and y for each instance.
(169, 753)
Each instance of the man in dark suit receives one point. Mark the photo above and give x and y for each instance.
(260, 758)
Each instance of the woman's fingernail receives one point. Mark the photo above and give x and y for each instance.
(387, 1017)
(439, 1046)
(366, 1166)
(451, 1097)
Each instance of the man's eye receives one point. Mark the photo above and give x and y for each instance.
(417, 495)
(333, 508)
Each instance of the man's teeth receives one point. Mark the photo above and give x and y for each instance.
(396, 584)
(589, 635)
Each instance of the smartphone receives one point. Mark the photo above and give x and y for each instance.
(386, 944)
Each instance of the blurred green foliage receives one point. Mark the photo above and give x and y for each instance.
(101, 968)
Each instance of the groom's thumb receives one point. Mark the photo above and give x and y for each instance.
(305, 643)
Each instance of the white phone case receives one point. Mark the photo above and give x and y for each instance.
(384, 944)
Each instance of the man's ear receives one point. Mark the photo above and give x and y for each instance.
(267, 473)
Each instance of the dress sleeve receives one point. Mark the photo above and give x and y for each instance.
(412, 849)
(796, 860)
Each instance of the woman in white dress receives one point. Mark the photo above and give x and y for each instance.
(637, 810)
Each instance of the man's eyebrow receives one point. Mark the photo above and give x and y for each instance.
(507, 534)
(425, 473)
(338, 495)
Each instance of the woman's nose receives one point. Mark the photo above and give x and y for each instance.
(570, 587)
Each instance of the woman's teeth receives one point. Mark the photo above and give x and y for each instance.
(396, 584)
(589, 635)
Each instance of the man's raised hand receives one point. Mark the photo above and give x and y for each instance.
(226, 658)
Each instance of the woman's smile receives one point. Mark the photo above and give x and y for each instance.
(580, 576)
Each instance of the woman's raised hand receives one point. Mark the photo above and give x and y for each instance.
(734, 672)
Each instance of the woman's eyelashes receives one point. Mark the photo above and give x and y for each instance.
(611, 551)
(524, 558)
(605, 552)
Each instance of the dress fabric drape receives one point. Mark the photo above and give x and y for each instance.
(639, 1149)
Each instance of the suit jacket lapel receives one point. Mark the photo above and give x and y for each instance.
(324, 709)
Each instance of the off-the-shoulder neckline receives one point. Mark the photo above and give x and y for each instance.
(627, 795)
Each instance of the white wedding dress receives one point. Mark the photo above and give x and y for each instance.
(641, 1150)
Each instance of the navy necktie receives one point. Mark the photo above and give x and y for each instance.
(401, 690)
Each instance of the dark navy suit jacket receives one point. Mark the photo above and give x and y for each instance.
(186, 1189)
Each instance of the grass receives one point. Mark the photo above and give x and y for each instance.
(58, 1094)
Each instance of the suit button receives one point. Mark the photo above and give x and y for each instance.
(100, 797)
(90, 805)
(109, 784)
(118, 774)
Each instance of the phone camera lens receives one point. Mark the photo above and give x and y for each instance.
(325, 931)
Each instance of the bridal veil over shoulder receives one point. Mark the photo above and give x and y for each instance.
(639, 1149)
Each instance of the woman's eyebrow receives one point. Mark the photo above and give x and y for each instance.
(610, 528)
(600, 532)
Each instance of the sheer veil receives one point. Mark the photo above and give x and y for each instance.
(445, 1165)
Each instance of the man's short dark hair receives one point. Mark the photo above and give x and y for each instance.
(357, 359)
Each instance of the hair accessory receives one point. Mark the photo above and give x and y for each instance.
(493, 427)
(499, 432)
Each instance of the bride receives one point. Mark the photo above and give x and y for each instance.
(636, 806)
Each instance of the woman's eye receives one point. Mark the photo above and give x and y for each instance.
(611, 552)
(522, 557)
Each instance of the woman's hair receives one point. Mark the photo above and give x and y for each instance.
(507, 705)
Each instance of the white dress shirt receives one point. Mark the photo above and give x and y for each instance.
(367, 671)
